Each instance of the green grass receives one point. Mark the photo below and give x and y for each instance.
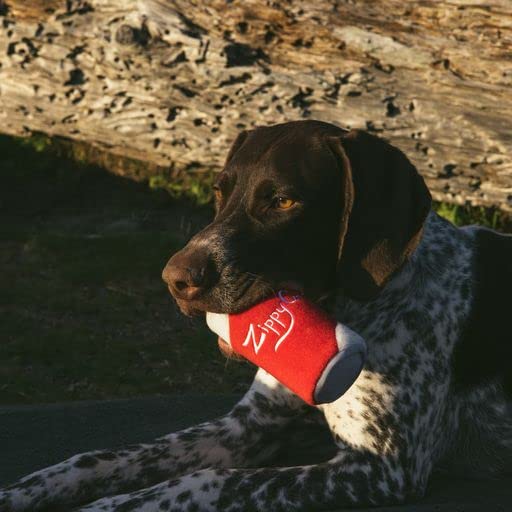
(195, 186)
(464, 215)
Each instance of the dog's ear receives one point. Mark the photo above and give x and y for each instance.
(237, 144)
(385, 204)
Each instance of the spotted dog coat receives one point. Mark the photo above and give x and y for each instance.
(431, 396)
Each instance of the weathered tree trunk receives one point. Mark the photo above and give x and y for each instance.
(171, 82)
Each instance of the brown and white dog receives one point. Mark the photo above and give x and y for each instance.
(347, 217)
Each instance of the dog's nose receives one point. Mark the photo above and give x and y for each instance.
(187, 274)
(184, 282)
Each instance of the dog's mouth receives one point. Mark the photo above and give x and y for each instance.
(221, 300)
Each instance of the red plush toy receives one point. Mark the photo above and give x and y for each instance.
(297, 343)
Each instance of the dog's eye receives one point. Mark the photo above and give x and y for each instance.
(284, 203)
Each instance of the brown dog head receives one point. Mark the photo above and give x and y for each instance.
(304, 204)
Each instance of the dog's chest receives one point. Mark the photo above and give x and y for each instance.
(360, 414)
(411, 332)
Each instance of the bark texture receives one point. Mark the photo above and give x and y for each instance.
(170, 82)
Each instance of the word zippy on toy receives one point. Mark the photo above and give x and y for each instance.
(297, 343)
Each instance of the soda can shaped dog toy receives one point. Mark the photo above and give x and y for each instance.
(297, 343)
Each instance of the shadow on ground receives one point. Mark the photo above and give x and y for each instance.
(84, 313)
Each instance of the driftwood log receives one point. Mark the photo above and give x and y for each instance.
(170, 82)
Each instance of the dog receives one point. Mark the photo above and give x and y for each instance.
(347, 218)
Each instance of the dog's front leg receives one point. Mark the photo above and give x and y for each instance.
(237, 439)
(351, 479)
